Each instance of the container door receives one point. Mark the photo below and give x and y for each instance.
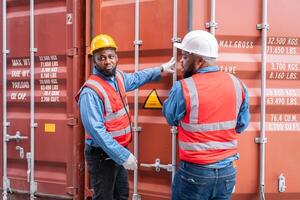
(117, 18)
(240, 54)
(58, 157)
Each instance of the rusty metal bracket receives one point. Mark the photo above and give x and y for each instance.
(72, 51)
(72, 121)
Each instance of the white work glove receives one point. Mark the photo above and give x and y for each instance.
(169, 66)
(130, 163)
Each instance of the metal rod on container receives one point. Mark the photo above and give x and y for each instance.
(137, 43)
(33, 186)
(174, 39)
(92, 19)
(190, 15)
(264, 27)
(90, 15)
(5, 124)
(213, 16)
(212, 25)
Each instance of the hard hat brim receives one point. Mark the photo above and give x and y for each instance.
(180, 46)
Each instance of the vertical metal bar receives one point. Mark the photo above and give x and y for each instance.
(32, 123)
(264, 27)
(92, 19)
(137, 44)
(5, 124)
(212, 24)
(175, 39)
(91, 31)
(190, 15)
(212, 16)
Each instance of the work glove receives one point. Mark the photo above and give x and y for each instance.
(130, 163)
(169, 66)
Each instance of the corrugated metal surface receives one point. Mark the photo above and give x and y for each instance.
(58, 61)
(240, 54)
(59, 72)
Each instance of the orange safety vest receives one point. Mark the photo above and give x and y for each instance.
(116, 120)
(207, 131)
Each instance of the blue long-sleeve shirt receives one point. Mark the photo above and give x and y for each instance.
(92, 109)
(174, 110)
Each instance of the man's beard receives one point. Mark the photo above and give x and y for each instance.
(108, 73)
(190, 71)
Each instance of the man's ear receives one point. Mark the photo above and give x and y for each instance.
(198, 62)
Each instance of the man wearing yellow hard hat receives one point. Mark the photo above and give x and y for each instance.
(105, 116)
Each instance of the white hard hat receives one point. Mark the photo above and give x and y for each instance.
(199, 42)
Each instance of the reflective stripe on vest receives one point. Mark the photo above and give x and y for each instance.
(107, 105)
(194, 100)
(238, 91)
(208, 127)
(207, 134)
(120, 132)
(193, 125)
(115, 115)
(207, 145)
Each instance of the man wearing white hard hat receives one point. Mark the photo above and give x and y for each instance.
(209, 107)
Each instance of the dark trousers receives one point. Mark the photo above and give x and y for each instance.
(108, 179)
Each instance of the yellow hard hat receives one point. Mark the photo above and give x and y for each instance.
(102, 41)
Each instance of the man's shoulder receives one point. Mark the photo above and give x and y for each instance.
(86, 91)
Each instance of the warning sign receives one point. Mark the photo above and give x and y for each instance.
(153, 101)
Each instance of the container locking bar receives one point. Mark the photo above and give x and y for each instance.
(21, 150)
(281, 183)
(6, 182)
(137, 128)
(174, 130)
(262, 26)
(176, 40)
(28, 156)
(158, 166)
(138, 42)
(16, 137)
(211, 24)
(33, 184)
(260, 140)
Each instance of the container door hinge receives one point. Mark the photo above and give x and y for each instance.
(72, 51)
(72, 190)
(72, 121)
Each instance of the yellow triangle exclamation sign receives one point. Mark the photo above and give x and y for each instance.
(153, 101)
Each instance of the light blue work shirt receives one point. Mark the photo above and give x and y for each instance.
(174, 110)
(92, 109)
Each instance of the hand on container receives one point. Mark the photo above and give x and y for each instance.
(169, 66)
(130, 163)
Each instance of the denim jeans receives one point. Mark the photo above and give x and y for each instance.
(193, 182)
(108, 179)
